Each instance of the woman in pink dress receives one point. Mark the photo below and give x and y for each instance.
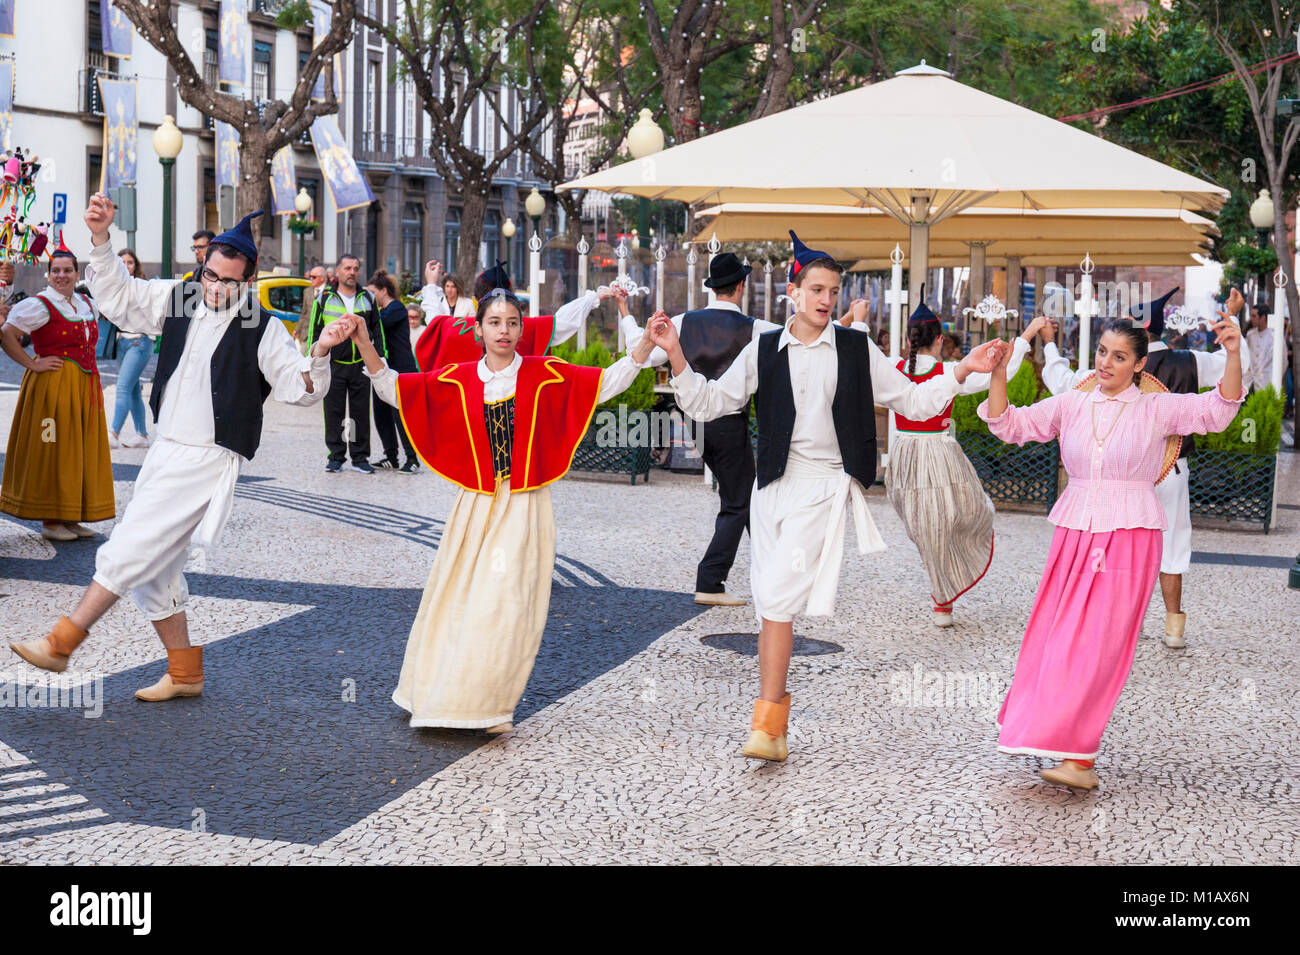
(1083, 629)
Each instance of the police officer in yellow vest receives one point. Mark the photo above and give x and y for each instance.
(347, 403)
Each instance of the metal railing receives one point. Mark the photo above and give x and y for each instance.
(89, 99)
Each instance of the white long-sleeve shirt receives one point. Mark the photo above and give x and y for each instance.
(31, 314)
(814, 374)
(186, 413)
(632, 332)
(1261, 368)
(499, 385)
(569, 317)
(1210, 366)
(977, 381)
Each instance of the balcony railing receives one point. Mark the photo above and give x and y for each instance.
(398, 150)
(89, 99)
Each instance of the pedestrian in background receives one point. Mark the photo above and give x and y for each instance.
(136, 351)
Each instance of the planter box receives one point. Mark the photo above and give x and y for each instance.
(1231, 485)
(590, 456)
(1013, 474)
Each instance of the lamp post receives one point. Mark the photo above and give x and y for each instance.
(302, 203)
(167, 143)
(535, 205)
(643, 139)
(508, 230)
(1261, 217)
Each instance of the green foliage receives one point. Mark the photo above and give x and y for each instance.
(639, 397)
(1257, 428)
(1023, 389)
(1247, 260)
(293, 14)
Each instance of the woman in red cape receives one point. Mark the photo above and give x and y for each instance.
(504, 428)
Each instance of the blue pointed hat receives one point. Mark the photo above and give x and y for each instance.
(496, 276)
(803, 255)
(241, 236)
(1152, 314)
(922, 312)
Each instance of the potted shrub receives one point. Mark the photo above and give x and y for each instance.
(1232, 474)
(614, 442)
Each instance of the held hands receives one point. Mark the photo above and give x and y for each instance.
(661, 332)
(432, 272)
(857, 312)
(6, 273)
(359, 334)
(1043, 327)
(335, 333)
(99, 216)
(989, 357)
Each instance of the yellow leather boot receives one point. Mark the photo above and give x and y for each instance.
(767, 733)
(51, 652)
(184, 677)
(1174, 626)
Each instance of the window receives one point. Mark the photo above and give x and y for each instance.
(261, 71)
(285, 298)
(490, 246)
(210, 58)
(373, 88)
(412, 239)
(451, 239)
(94, 171)
(408, 108)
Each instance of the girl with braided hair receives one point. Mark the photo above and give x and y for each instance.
(930, 481)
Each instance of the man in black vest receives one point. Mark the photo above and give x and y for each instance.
(220, 357)
(1182, 371)
(711, 338)
(815, 386)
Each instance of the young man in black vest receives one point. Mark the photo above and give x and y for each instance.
(711, 338)
(347, 406)
(221, 357)
(1182, 371)
(815, 386)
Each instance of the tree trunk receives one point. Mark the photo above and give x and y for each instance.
(474, 196)
(254, 176)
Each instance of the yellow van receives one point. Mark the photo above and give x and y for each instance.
(281, 295)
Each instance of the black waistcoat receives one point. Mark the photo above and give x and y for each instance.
(711, 339)
(238, 388)
(853, 409)
(1176, 370)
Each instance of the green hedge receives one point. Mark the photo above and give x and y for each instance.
(639, 397)
(1257, 428)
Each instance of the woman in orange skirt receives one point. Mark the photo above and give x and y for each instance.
(57, 466)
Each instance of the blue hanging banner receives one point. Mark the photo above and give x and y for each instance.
(227, 154)
(232, 44)
(347, 187)
(121, 132)
(115, 29)
(283, 189)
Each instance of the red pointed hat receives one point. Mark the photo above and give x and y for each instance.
(63, 246)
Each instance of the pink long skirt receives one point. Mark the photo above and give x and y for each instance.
(1080, 641)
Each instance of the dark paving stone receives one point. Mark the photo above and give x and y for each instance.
(746, 644)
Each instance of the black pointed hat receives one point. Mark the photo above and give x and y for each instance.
(241, 236)
(922, 311)
(803, 255)
(496, 276)
(1152, 314)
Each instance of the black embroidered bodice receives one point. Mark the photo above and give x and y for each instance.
(500, 418)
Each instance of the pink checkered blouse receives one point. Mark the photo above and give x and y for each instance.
(1113, 486)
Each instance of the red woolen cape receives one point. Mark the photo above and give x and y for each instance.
(443, 413)
(451, 341)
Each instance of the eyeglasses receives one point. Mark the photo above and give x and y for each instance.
(199, 248)
(231, 285)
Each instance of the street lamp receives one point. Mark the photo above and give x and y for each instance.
(535, 205)
(167, 143)
(1261, 217)
(508, 230)
(643, 139)
(302, 203)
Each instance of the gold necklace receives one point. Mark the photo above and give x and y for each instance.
(1102, 440)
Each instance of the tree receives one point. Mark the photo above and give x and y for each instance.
(455, 55)
(279, 124)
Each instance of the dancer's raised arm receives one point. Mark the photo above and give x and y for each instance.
(697, 396)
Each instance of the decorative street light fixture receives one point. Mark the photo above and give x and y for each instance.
(302, 203)
(508, 230)
(167, 143)
(645, 138)
(535, 205)
(1261, 217)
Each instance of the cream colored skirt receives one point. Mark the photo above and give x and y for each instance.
(937, 494)
(481, 618)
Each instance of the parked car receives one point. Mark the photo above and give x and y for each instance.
(281, 295)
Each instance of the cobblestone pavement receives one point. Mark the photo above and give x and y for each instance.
(626, 746)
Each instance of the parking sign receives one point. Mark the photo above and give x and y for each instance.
(60, 208)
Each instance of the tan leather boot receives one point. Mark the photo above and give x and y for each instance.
(1070, 773)
(767, 732)
(51, 652)
(1174, 625)
(184, 677)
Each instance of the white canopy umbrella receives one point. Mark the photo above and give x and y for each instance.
(920, 147)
